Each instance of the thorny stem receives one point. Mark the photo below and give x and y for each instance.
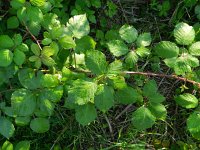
(164, 76)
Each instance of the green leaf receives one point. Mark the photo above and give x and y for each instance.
(22, 121)
(189, 60)
(57, 32)
(23, 47)
(6, 127)
(23, 102)
(166, 49)
(16, 4)
(117, 48)
(158, 110)
(19, 57)
(197, 9)
(84, 44)
(181, 66)
(143, 119)
(96, 62)
(17, 39)
(22, 14)
(150, 91)
(193, 124)
(156, 97)
(52, 94)
(6, 41)
(170, 62)
(49, 80)
(40, 125)
(85, 114)
(115, 67)
(7, 146)
(34, 14)
(131, 59)
(127, 95)
(34, 58)
(112, 35)
(6, 57)
(143, 51)
(117, 82)
(47, 51)
(34, 27)
(144, 40)
(23, 145)
(12, 22)
(46, 41)
(37, 2)
(187, 100)
(48, 61)
(96, 3)
(67, 42)
(128, 33)
(82, 92)
(104, 97)
(35, 49)
(45, 106)
(184, 34)
(194, 49)
(50, 21)
(149, 88)
(79, 26)
(28, 78)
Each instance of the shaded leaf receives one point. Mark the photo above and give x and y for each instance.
(40, 125)
(6, 127)
(85, 114)
(143, 119)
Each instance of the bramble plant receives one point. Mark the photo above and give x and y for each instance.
(49, 59)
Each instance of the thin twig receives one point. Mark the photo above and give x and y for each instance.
(109, 125)
(27, 29)
(164, 76)
(58, 138)
(125, 110)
